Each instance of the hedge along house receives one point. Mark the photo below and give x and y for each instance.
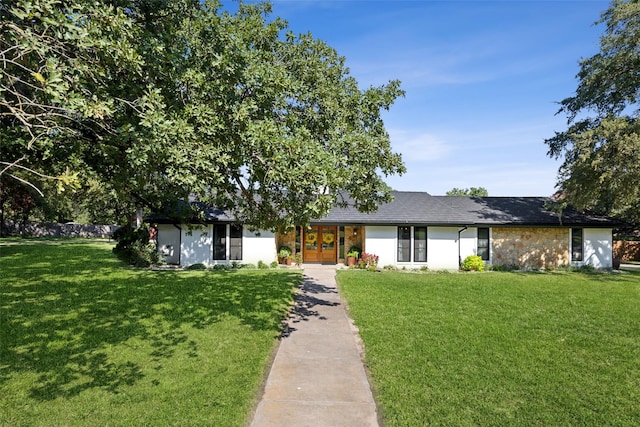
(414, 230)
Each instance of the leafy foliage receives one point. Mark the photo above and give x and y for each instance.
(134, 247)
(368, 261)
(473, 191)
(473, 263)
(601, 146)
(164, 100)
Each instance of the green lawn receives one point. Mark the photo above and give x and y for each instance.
(86, 341)
(500, 348)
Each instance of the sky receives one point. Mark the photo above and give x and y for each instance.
(482, 78)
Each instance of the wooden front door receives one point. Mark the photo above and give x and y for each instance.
(320, 244)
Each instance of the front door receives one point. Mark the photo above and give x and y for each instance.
(320, 244)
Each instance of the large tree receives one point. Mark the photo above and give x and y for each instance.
(601, 147)
(166, 100)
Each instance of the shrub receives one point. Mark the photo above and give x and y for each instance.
(368, 261)
(354, 251)
(473, 263)
(274, 264)
(199, 266)
(501, 267)
(284, 252)
(262, 265)
(134, 247)
(585, 268)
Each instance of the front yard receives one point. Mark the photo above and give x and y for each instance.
(500, 348)
(86, 341)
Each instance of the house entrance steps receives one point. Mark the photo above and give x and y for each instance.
(317, 377)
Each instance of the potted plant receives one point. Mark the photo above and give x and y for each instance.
(284, 253)
(352, 256)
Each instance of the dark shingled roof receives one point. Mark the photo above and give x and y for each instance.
(423, 208)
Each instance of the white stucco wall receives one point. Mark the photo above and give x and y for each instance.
(598, 247)
(382, 241)
(258, 246)
(196, 247)
(442, 248)
(469, 242)
(169, 243)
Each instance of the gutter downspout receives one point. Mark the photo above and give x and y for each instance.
(459, 253)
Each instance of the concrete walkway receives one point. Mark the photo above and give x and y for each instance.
(317, 377)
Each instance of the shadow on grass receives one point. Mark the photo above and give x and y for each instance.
(63, 308)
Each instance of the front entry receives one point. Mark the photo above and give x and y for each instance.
(320, 244)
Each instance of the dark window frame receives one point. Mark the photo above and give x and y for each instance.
(482, 247)
(233, 233)
(219, 242)
(420, 253)
(577, 244)
(404, 243)
(408, 246)
(235, 242)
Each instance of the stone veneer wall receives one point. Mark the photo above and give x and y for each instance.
(534, 248)
(626, 250)
(351, 240)
(286, 239)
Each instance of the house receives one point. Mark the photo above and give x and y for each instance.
(416, 229)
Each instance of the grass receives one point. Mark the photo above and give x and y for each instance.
(500, 348)
(88, 341)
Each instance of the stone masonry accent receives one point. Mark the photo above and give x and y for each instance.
(626, 250)
(530, 248)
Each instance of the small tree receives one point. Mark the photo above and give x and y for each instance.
(473, 192)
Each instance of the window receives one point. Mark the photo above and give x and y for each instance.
(576, 244)
(220, 242)
(420, 244)
(220, 236)
(412, 244)
(404, 244)
(235, 242)
(483, 243)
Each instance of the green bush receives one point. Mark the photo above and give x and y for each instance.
(284, 252)
(274, 264)
(198, 267)
(473, 263)
(134, 247)
(262, 265)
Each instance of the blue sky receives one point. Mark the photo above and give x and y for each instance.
(482, 81)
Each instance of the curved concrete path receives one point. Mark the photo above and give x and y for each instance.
(317, 377)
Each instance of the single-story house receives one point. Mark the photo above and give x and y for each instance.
(416, 229)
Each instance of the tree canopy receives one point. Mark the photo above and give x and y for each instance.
(473, 191)
(601, 146)
(167, 100)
